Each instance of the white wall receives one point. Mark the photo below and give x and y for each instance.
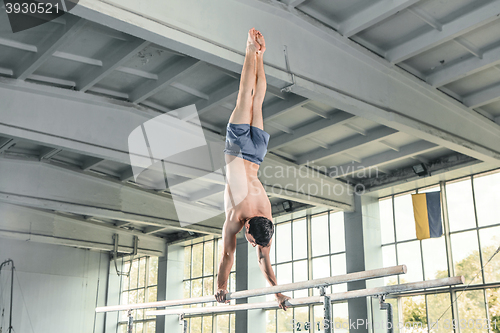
(60, 286)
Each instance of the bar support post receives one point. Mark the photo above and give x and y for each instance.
(183, 322)
(327, 308)
(130, 324)
(388, 307)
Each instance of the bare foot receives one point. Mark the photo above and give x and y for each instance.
(252, 44)
(261, 41)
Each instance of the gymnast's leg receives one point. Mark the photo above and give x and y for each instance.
(242, 114)
(261, 85)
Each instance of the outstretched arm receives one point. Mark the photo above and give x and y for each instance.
(267, 270)
(229, 232)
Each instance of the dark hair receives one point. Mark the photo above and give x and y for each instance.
(262, 229)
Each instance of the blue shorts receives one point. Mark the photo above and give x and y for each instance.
(247, 142)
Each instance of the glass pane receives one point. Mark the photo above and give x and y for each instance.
(197, 260)
(414, 311)
(487, 198)
(299, 275)
(429, 189)
(272, 252)
(187, 262)
(405, 222)
(319, 226)
(460, 206)
(207, 324)
(153, 271)
(271, 321)
(490, 241)
(223, 323)
(299, 239)
(232, 323)
(209, 258)
(435, 262)
(196, 288)
(318, 316)
(232, 282)
(284, 242)
(465, 252)
(337, 233)
(340, 317)
(389, 259)
(493, 296)
(409, 255)
(125, 279)
(437, 304)
(187, 289)
(152, 294)
(208, 286)
(195, 325)
(139, 328)
(339, 268)
(471, 308)
(124, 298)
(142, 273)
(284, 275)
(134, 273)
(151, 327)
(284, 321)
(301, 315)
(386, 221)
(321, 269)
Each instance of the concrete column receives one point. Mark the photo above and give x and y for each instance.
(113, 296)
(170, 276)
(162, 289)
(249, 276)
(363, 252)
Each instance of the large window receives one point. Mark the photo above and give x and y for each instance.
(201, 261)
(140, 286)
(471, 218)
(308, 248)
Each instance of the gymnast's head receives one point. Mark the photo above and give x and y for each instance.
(259, 231)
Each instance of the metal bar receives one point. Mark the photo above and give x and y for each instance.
(315, 299)
(356, 276)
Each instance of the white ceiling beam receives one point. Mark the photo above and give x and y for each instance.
(356, 129)
(372, 162)
(173, 72)
(18, 45)
(48, 153)
(345, 145)
(320, 143)
(111, 62)
(189, 90)
(205, 193)
(469, 47)
(91, 162)
(464, 68)
(215, 99)
(7, 144)
(426, 18)
(70, 190)
(48, 46)
(61, 229)
(152, 230)
(352, 157)
(389, 145)
(372, 15)
(483, 97)
(463, 24)
(389, 96)
(310, 107)
(293, 3)
(280, 127)
(309, 130)
(278, 108)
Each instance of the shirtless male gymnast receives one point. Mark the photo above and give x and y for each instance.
(245, 201)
